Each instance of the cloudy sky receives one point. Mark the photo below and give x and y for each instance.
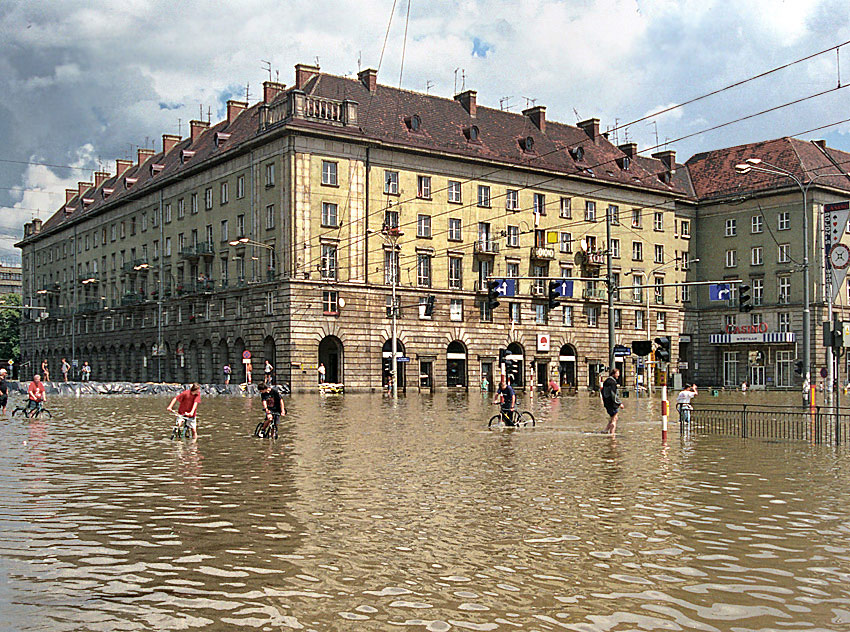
(84, 83)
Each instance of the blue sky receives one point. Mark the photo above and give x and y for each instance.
(84, 83)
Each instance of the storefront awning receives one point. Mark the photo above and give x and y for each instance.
(768, 338)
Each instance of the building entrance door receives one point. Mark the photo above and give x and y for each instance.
(426, 374)
(542, 376)
(757, 377)
(487, 374)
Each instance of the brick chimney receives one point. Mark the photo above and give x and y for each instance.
(168, 142)
(467, 100)
(122, 165)
(270, 90)
(70, 194)
(27, 229)
(537, 114)
(142, 154)
(198, 128)
(82, 187)
(235, 108)
(303, 74)
(667, 158)
(369, 78)
(36, 226)
(630, 149)
(591, 128)
(99, 178)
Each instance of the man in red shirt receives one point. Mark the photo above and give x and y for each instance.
(36, 394)
(188, 410)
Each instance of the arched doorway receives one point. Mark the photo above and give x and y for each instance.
(456, 364)
(270, 354)
(192, 361)
(386, 363)
(131, 364)
(330, 354)
(515, 363)
(567, 366)
(223, 358)
(207, 374)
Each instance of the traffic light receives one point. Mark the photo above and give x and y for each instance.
(502, 354)
(744, 299)
(798, 367)
(641, 347)
(662, 351)
(429, 305)
(387, 365)
(554, 294)
(512, 368)
(493, 293)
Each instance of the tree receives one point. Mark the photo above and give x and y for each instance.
(10, 327)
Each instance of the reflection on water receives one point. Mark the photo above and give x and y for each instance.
(372, 515)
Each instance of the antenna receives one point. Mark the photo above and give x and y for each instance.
(578, 118)
(209, 114)
(201, 110)
(463, 79)
(456, 69)
(277, 75)
(504, 104)
(248, 91)
(267, 66)
(616, 131)
(529, 102)
(359, 60)
(317, 61)
(428, 85)
(180, 127)
(655, 125)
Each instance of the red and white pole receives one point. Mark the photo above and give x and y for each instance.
(665, 405)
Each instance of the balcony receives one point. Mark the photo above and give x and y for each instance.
(89, 307)
(48, 288)
(541, 253)
(136, 265)
(485, 247)
(203, 249)
(199, 287)
(132, 298)
(595, 294)
(299, 105)
(88, 278)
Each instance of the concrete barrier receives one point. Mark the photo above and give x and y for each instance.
(134, 388)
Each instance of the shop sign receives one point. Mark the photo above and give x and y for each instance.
(761, 328)
(543, 342)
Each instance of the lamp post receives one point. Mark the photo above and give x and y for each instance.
(757, 164)
(391, 235)
(245, 241)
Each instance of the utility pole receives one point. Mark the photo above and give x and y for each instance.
(610, 283)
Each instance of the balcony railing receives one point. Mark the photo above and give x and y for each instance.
(300, 105)
(203, 249)
(136, 265)
(542, 253)
(89, 307)
(595, 294)
(485, 247)
(199, 287)
(132, 298)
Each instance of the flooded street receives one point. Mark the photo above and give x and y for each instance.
(370, 515)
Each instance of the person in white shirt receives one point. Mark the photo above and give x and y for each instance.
(683, 402)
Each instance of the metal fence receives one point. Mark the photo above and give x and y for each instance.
(760, 421)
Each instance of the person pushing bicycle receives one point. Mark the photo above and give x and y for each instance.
(36, 395)
(506, 396)
(272, 404)
(188, 410)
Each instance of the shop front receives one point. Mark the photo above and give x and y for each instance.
(753, 354)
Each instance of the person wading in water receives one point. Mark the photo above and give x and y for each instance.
(611, 400)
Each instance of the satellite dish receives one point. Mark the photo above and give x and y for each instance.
(580, 258)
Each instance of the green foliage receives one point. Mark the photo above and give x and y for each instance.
(10, 327)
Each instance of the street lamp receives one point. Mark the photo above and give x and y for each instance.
(391, 235)
(245, 241)
(759, 165)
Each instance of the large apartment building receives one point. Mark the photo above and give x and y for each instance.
(267, 232)
(10, 279)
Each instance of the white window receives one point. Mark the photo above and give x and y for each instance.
(483, 196)
(181, 209)
(269, 302)
(329, 214)
(566, 208)
(686, 293)
(194, 203)
(614, 214)
(240, 225)
(757, 224)
(512, 200)
(658, 221)
(454, 191)
(784, 290)
(758, 291)
(541, 313)
(729, 320)
(513, 236)
(659, 253)
(167, 247)
(730, 368)
(223, 193)
(731, 227)
(423, 187)
(756, 258)
(329, 268)
(568, 315)
(615, 248)
(391, 182)
(661, 321)
(784, 360)
(756, 318)
(637, 288)
(165, 218)
(589, 211)
(783, 322)
(592, 316)
(270, 174)
(269, 216)
(455, 273)
(224, 233)
(784, 253)
(659, 290)
(784, 220)
(455, 231)
(566, 242)
(636, 218)
(731, 258)
(423, 270)
(330, 302)
(515, 312)
(539, 204)
(144, 226)
(423, 225)
(618, 318)
(329, 176)
(456, 309)
(637, 251)
(240, 187)
(686, 228)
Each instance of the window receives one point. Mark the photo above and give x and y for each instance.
(730, 368)
(240, 226)
(193, 200)
(240, 307)
(686, 293)
(423, 187)
(329, 214)
(483, 196)
(637, 251)
(123, 233)
(686, 260)
(390, 219)
(223, 193)
(132, 228)
(511, 269)
(391, 271)
(729, 320)
(757, 224)
(565, 210)
(784, 360)
(659, 253)
(539, 202)
(640, 320)
(209, 235)
(330, 302)
(240, 187)
(454, 191)
(269, 296)
(618, 318)
(566, 242)
(224, 235)
(181, 242)
(636, 218)
(637, 288)
(731, 227)
(731, 258)
(167, 247)
(208, 198)
(783, 255)
(423, 226)
(391, 182)
(784, 290)
(455, 273)
(270, 174)
(568, 315)
(658, 220)
(686, 228)
(87, 242)
(455, 232)
(155, 249)
(484, 312)
(592, 316)
(423, 270)
(512, 200)
(614, 214)
(541, 313)
(113, 232)
(659, 290)
(590, 211)
(515, 312)
(329, 175)
(513, 236)
(269, 216)
(756, 318)
(456, 309)
(756, 256)
(661, 321)
(783, 322)
(784, 220)
(328, 261)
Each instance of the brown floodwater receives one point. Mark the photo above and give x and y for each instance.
(371, 515)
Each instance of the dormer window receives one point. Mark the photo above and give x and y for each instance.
(625, 163)
(106, 192)
(665, 177)
(414, 123)
(577, 153)
(186, 155)
(128, 182)
(69, 210)
(88, 201)
(472, 133)
(156, 168)
(527, 144)
(220, 138)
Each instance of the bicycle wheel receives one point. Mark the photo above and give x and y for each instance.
(17, 410)
(258, 431)
(495, 422)
(526, 418)
(47, 412)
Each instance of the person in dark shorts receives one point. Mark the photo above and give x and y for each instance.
(611, 400)
(4, 392)
(506, 396)
(272, 404)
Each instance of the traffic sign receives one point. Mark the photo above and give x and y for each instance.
(823, 372)
(622, 351)
(246, 355)
(402, 359)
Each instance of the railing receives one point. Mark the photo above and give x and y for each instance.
(88, 307)
(203, 249)
(199, 287)
(132, 298)
(485, 247)
(299, 105)
(759, 421)
(596, 294)
(135, 265)
(542, 253)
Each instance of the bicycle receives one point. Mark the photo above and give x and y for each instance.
(270, 432)
(32, 413)
(181, 428)
(520, 419)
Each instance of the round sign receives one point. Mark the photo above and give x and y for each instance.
(839, 256)
(823, 372)
(246, 355)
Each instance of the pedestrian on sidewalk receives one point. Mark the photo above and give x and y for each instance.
(86, 370)
(267, 370)
(65, 368)
(321, 373)
(611, 400)
(227, 371)
(45, 371)
(249, 373)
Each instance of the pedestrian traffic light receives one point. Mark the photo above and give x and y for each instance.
(641, 347)
(502, 354)
(387, 365)
(493, 293)
(429, 305)
(744, 299)
(512, 368)
(554, 293)
(798, 367)
(662, 351)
